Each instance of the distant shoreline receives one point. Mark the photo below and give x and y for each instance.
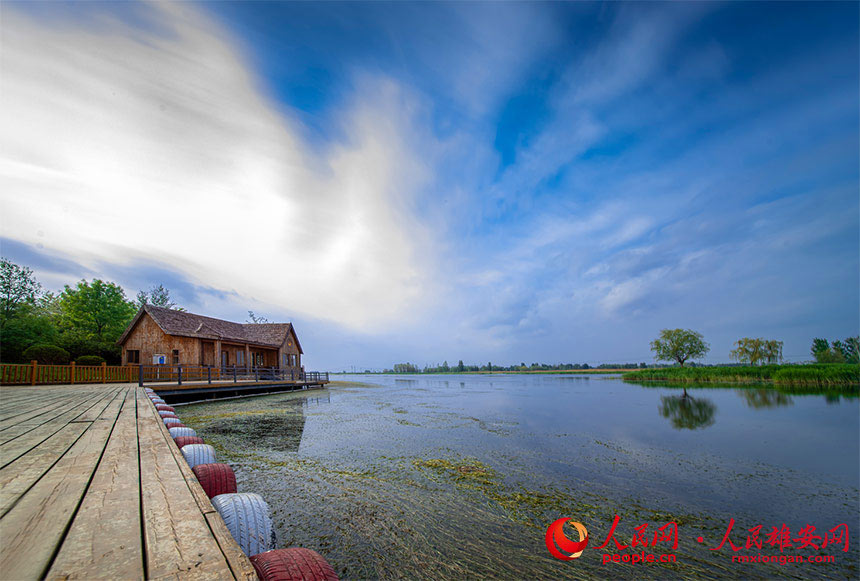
(526, 372)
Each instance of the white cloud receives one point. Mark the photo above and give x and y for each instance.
(122, 145)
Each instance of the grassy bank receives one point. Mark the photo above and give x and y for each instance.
(824, 375)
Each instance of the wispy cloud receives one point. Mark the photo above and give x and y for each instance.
(127, 145)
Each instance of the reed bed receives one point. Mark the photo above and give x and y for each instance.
(819, 374)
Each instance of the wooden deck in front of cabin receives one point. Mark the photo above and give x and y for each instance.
(92, 486)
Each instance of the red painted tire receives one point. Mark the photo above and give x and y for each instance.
(164, 408)
(185, 440)
(166, 414)
(215, 478)
(292, 565)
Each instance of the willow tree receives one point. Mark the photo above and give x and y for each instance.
(679, 345)
(755, 351)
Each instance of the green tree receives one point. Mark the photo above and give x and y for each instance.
(99, 309)
(823, 352)
(22, 332)
(852, 350)
(755, 351)
(159, 296)
(460, 367)
(18, 289)
(849, 349)
(679, 345)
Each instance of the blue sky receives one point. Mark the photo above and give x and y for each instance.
(427, 182)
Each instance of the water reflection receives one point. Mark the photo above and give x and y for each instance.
(687, 412)
(765, 398)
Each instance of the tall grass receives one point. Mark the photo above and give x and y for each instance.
(823, 374)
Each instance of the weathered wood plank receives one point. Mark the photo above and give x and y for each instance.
(20, 475)
(239, 563)
(105, 539)
(14, 448)
(112, 399)
(178, 541)
(32, 529)
(31, 410)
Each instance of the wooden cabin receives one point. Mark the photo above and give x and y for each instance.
(158, 335)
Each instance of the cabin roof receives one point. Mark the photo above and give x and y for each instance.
(186, 324)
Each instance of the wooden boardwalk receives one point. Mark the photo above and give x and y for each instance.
(92, 487)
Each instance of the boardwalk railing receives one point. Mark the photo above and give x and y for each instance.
(34, 373)
(180, 374)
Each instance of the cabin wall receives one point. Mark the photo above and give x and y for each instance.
(289, 348)
(148, 338)
(233, 354)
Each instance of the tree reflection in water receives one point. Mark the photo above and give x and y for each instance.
(687, 412)
(766, 398)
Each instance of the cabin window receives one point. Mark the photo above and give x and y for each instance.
(176, 356)
(284, 360)
(240, 358)
(133, 356)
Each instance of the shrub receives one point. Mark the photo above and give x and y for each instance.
(90, 360)
(47, 354)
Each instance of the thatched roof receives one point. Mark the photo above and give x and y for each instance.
(187, 324)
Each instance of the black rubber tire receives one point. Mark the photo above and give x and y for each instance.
(177, 432)
(198, 454)
(215, 479)
(247, 518)
(292, 565)
(186, 440)
(163, 407)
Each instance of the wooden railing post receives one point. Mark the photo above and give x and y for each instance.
(104, 372)
(140, 375)
(209, 370)
(33, 366)
(73, 372)
(235, 379)
(179, 374)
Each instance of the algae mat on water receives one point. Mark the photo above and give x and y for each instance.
(399, 484)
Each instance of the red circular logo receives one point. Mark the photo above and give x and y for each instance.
(555, 536)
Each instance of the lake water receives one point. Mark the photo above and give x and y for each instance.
(459, 476)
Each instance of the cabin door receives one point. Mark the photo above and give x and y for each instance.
(208, 353)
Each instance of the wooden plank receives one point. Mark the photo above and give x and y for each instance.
(32, 529)
(105, 539)
(240, 565)
(20, 475)
(112, 399)
(14, 448)
(29, 407)
(238, 561)
(178, 541)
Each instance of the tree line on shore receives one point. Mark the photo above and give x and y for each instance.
(81, 323)
(679, 346)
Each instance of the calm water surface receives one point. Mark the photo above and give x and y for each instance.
(458, 476)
